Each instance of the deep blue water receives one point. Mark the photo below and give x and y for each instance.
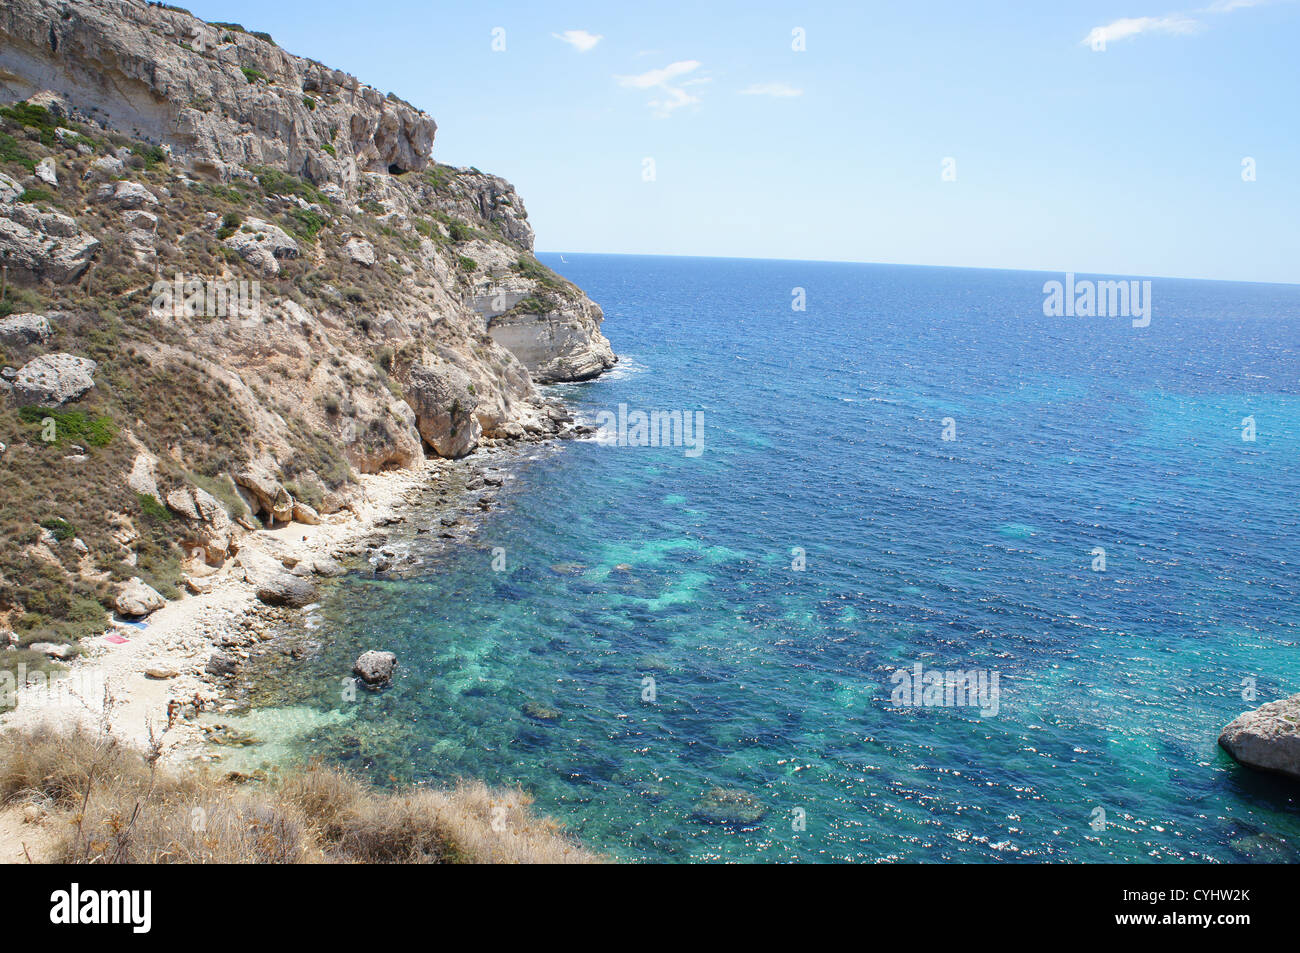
(824, 431)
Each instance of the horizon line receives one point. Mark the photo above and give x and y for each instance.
(899, 264)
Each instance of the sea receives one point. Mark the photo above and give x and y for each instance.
(938, 573)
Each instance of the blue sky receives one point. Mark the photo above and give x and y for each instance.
(1126, 160)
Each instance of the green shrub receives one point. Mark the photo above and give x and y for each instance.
(253, 75)
(61, 528)
(69, 425)
(275, 182)
(305, 223)
(11, 151)
(151, 154)
(33, 117)
(153, 509)
(439, 176)
(229, 225)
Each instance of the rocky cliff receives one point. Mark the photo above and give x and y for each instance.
(233, 278)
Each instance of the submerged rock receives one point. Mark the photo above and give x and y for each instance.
(222, 664)
(375, 668)
(1267, 738)
(540, 712)
(731, 807)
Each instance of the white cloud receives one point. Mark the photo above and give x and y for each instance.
(779, 90)
(658, 77)
(1126, 28)
(673, 96)
(580, 40)
(1227, 6)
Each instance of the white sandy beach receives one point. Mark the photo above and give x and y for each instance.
(107, 685)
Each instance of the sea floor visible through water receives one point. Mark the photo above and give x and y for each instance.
(632, 627)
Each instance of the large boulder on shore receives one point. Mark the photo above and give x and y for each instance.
(207, 522)
(269, 497)
(286, 589)
(54, 379)
(1267, 738)
(444, 405)
(375, 668)
(136, 599)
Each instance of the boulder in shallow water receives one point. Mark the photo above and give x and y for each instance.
(375, 668)
(286, 589)
(540, 712)
(731, 807)
(1267, 738)
(222, 664)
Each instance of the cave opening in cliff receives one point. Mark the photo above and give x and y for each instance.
(395, 169)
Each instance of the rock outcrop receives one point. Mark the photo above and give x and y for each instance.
(249, 272)
(1267, 738)
(25, 329)
(54, 379)
(265, 494)
(223, 96)
(375, 668)
(444, 402)
(556, 341)
(136, 599)
(262, 245)
(45, 244)
(208, 524)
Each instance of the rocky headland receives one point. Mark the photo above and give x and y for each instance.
(245, 318)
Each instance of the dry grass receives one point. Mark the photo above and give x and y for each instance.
(112, 804)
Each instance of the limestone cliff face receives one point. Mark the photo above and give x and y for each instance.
(226, 101)
(237, 277)
(220, 95)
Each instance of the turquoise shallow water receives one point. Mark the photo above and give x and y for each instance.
(823, 433)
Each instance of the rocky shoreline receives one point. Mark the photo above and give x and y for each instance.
(171, 677)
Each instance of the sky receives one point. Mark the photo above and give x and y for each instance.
(1137, 137)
